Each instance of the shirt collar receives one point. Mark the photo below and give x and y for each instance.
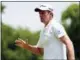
(49, 23)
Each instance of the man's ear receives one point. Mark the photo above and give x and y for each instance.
(51, 14)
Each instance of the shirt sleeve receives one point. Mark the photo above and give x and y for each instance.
(59, 30)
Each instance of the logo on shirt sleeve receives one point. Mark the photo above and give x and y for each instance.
(58, 32)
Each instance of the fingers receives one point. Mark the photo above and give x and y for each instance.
(21, 40)
(20, 45)
(18, 41)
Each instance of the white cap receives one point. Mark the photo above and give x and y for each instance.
(44, 7)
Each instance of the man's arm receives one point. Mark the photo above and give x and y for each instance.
(33, 49)
(69, 45)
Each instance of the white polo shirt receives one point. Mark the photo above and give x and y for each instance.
(49, 40)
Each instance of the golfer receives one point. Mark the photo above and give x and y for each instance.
(54, 42)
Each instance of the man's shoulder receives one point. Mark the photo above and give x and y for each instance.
(55, 25)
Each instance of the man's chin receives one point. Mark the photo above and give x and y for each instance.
(42, 21)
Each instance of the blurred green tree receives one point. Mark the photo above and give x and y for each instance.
(9, 35)
(71, 22)
(12, 52)
(1, 8)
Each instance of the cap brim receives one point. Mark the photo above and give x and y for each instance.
(37, 9)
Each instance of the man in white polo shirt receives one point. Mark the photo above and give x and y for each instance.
(53, 43)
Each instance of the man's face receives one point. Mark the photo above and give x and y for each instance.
(44, 16)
